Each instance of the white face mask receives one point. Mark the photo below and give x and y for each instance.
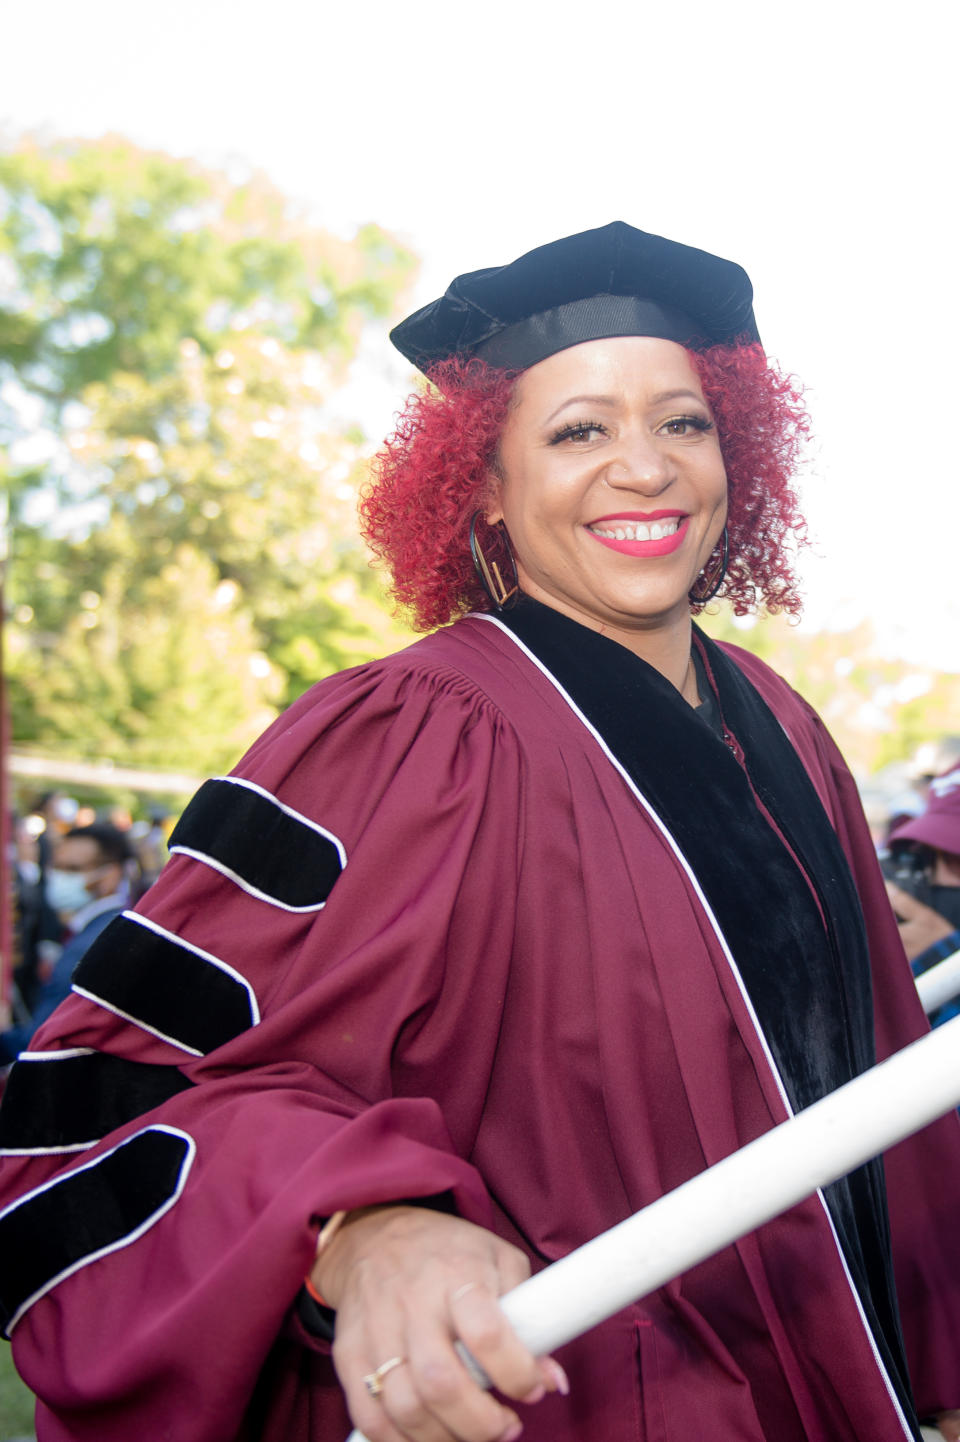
(67, 890)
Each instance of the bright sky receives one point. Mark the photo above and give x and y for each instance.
(815, 144)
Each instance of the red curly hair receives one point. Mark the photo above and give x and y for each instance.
(433, 474)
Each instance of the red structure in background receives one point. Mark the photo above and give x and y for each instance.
(6, 798)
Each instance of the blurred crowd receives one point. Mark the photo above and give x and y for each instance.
(920, 858)
(73, 870)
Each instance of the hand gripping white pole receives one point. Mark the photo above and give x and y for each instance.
(750, 1187)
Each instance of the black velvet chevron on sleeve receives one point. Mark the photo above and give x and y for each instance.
(59, 1101)
(167, 986)
(89, 1211)
(250, 836)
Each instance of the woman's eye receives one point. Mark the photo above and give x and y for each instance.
(580, 432)
(685, 425)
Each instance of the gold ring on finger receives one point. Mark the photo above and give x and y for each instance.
(373, 1381)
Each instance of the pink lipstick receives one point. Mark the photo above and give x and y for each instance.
(636, 521)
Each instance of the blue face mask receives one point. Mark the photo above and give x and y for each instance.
(66, 891)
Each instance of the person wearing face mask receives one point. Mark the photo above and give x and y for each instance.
(87, 885)
(487, 944)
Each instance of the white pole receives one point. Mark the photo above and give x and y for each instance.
(750, 1187)
(940, 984)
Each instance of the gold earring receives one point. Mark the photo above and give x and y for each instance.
(488, 572)
(712, 584)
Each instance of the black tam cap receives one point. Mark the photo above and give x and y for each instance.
(607, 282)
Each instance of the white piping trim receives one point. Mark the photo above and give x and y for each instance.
(288, 811)
(863, 1320)
(56, 1055)
(728, 954)
(135, 1020)
(216, 961)
(124, 1241)
(238, 880)
(48, 1151)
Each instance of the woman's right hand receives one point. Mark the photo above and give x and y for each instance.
(407, 1283)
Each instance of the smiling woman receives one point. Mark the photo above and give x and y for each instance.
(614, 500)
(600, 907)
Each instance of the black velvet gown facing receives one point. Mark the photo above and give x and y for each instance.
(729, 787)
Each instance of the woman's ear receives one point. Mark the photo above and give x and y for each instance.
(493, 507)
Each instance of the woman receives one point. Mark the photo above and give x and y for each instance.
(485, 946)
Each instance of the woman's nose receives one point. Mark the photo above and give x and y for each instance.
(640, 464)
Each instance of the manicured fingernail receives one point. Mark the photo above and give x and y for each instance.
(514, 1431)
(537, 1395)
(560, 1378)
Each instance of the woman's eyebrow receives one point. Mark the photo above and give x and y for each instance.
(662, 396)
(656, 400)
(582, 400)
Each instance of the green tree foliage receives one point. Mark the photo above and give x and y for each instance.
(169, 341)
(115, 254)
(169, 645)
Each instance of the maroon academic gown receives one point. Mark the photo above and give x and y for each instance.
(432, 939)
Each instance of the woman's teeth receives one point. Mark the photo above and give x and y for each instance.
(639, 530)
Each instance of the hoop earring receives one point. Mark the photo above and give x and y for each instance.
(488, 572)
(714, 583)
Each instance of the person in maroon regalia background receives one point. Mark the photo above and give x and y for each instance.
(486, 945)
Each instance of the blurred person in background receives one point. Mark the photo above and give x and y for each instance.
(923, 880)
(149, 839)
(25, 872)
(87, 884)
(118, 816)
(40, 926)
(930, 760)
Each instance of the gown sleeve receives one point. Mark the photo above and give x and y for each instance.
(256, 1047)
